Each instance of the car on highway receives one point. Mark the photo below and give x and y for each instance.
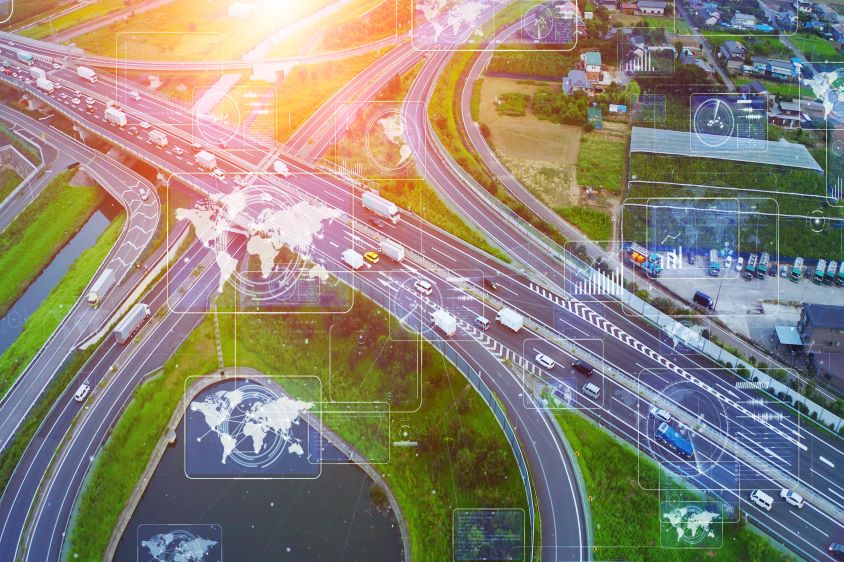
(545, 361)
(144, 193)
(219, 174)
(135, 96)
(423, 286)
(482, 323)
(196, 147)
(792, 498)
(762, 499)
(89, 100)
(144, 125)
(659, 414)
(583, 367)
(8, 72)
(133, 130)
(82, 391)
(490, 285)
(371, 257)
(836, 550)
(90, 109)
(591, 390)
(178, 151)
(56, 65)
(376, 222)
(76, 101)
(63, 96)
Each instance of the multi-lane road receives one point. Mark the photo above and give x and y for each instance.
(740, 447)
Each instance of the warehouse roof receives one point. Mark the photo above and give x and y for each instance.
(824, 315)
(682, 143)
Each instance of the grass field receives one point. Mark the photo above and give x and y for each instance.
(61, 23)
(762, 45)
(462, 459)
(53, 309)
(625, 503)
(29, 243)
(787, 90)
(815, 48)
(595, 224)
(183, 31)
(602, 158)
(9, 180)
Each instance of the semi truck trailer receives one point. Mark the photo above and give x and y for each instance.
(131, 323)
(101, 287)
(380, 206)
(666, 435)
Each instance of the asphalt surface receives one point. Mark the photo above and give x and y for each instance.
(573, 322)
(83, 320)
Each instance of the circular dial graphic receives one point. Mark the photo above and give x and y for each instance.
(714, 122)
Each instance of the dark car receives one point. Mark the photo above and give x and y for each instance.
(490, 285)
(691, 258)
(583, 367)
(377, 223)
(773, 270)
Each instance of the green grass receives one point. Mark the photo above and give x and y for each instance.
(674, 24)
(29, 243)
(762, 45)
(53, 309)
(513, 104)
(462, 459)
(815, 48)
(787, 90)
(187, 30)
(9, 180)
(601, 161)
(623, 489)
(72, 19)
(595, 224)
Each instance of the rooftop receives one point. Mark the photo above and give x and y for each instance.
(824, 315)
(681, 143)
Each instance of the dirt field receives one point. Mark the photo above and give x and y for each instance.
(541, 154)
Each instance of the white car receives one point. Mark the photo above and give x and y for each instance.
(144, 193)
(660, 414)
(792, 497)
(178, 151)
(545, 361)
(218, 173)
(135, 96)
(89, 100)
(82, 392)
(739, 263)
(423, 287)
(56, 65)
(144, 125)
(76, 101)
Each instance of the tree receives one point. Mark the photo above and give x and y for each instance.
(678, 49)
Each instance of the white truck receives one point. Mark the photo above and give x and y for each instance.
(157, 138)
(35, 73)
(101, 286)
(206, 160)
(131, 323)
(46, 85)
(446, 323)
(380, 206)
(86, 74)
(352, 259)
(115, 116)
(510, 318)
(392, 250)
(281, 168)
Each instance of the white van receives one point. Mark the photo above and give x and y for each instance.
(482, 323)
(82, 392)
(762, 499)
(792, 497)
(591, 390)
(545, 361)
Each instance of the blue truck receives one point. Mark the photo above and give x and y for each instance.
(666, 435)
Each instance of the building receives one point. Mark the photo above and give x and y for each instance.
(576, 81)
(610, 5)
(837, 31)
(760, 65)
(732, 50)
(743, 21)
(629, 8)
(827, 13)
(821, 328)
(591, 61)
(787, 114)
(781, 69)
(652, 7)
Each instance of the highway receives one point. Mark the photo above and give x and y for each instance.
(574, 323)
(82, 320)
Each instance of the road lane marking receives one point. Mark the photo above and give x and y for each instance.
(823, 460)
